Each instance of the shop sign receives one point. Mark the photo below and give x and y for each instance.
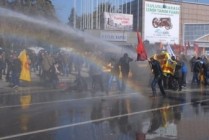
(112, 36)
(118, 21)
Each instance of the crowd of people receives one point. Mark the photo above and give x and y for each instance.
(199, 67)
(47, 66)
(50, 67)
(10, 66)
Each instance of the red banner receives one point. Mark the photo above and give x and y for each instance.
(196, 49)
(141, 52)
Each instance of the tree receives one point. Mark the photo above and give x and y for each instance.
(41, 8)
(32, 8)
(72, 18)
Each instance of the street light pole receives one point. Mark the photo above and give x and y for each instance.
(137, 15)
(74, 14)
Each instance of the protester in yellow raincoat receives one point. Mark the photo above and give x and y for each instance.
(25, 74)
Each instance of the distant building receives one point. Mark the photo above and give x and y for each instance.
(174, 21)
(193, 19)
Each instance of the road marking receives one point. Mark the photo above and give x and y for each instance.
(43, 90)
(92, 121)
(30, 91)
(71, 100)
(89, 98)
(188, 90)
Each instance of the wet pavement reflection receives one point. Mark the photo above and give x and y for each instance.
(60, 115)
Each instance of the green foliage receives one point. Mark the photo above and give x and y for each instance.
(71, 17)
(32, 8)
(36, 8)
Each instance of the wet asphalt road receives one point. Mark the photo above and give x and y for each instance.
(47, 114)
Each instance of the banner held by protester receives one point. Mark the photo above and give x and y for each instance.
(169, 50)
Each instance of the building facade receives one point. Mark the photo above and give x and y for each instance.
(195, 24)
(189, 18)
(193, 19)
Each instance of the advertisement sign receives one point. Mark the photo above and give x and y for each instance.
(161, 22)
(117, 21)
(113, 36)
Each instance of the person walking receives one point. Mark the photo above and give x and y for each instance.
(157, 71)
(95, 73)
(16, 69)
(9, 61)
(114, 66)
(178, 71)
(1, 66)
(54, 72)
(196, 70)
(124, 63)
(46, 63)
(184, 73)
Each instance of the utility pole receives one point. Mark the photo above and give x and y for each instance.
(137, 15)
(74, 14)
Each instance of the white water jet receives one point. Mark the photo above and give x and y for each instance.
(63, 36)
(62, 28)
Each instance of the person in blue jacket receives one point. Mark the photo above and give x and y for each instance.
(184, 73)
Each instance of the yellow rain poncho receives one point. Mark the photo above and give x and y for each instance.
(167, 64)
(25, 68)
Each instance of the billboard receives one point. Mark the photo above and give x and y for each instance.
(118, 21)
(113, 36)
(161, 22)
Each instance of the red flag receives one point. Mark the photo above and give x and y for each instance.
(176, 48)
(196, 49)
(141, 52)
(181, 48)
(140, 136)
(187, 46)
(161, 46)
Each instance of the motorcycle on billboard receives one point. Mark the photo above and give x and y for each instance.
(162, 22)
